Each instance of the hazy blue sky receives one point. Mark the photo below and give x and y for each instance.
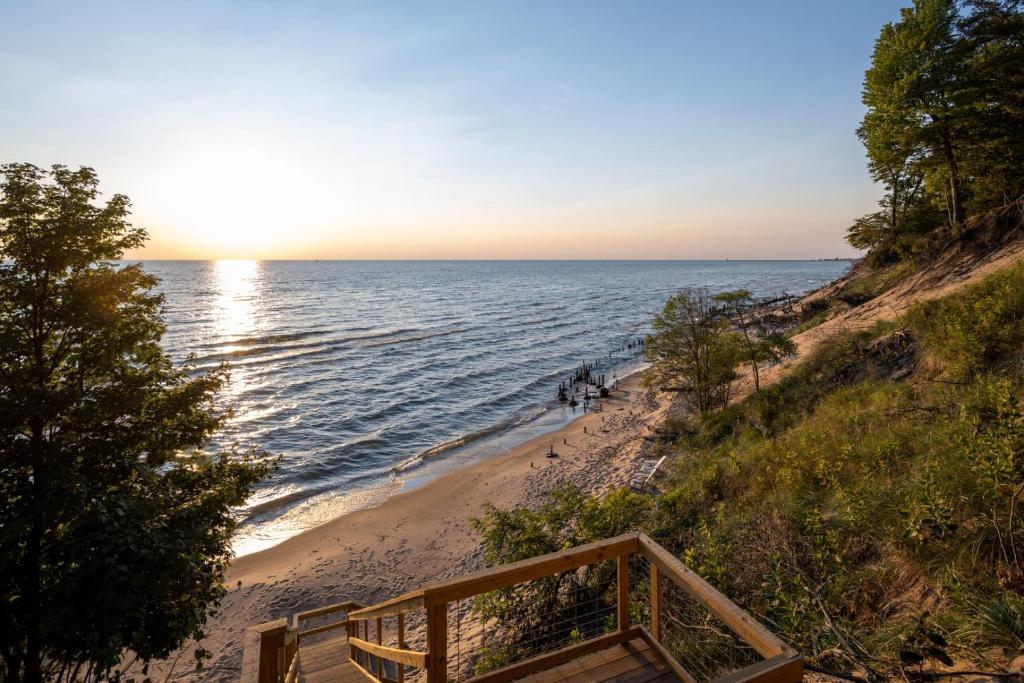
(472, 129)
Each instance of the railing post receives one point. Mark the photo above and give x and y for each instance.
(622, 580)
(437, 643)
(366, 636)
(655, 603)
(401, 646)
(352, 631)
(291, 647)
(263, 652)
(380, 641)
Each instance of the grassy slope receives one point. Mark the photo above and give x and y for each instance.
(864, 503)
(857, 302)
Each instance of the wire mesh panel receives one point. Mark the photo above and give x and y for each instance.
(504, 627)
(415, 638)
(470, 635)
(639, 590)
(696, 638)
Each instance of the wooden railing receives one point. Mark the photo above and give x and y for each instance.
(264, 650)
(664, 575)
(780, 661)
(271, 650)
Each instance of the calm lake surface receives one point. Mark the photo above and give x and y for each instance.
(373, 376)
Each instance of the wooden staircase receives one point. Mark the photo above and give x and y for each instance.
(431, 635)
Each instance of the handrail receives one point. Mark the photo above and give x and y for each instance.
(678, 669)
(294, 670)
(495, 578)
(784, 667)
(745, 626)
(392, 654)
(317, 630)
(326, 609)
(403, 603)
(299, 617)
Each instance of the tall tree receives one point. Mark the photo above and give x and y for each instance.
(992, 99)
(894, 162)
(693, 350)
(910, 91)
(116, 527)
(760, 346)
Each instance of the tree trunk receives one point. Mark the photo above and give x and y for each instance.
(894, 204)
(956, 215)
(750, 348)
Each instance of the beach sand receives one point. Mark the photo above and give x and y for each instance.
(425, 533)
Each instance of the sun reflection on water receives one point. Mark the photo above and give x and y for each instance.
(236, 283)
(235, 308)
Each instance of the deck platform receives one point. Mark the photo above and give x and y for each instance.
(328, 662)
(632, 662)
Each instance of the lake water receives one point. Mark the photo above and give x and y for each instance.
(373, 376)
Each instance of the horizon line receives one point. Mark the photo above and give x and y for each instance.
(494, 260)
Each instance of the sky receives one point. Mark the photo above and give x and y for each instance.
(475, 129)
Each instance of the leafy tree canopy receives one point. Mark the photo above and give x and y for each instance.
(944, 127)
(116, 527)
(759, 345)
(693, 349)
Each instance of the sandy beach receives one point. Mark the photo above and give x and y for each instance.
(424, 533)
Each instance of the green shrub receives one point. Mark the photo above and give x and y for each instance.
(538, 616)
(839, 492)
(977, 327)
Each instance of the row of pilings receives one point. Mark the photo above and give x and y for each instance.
(594, 384)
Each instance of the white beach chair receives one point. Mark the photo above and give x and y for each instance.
(648, 470)
(649, 466)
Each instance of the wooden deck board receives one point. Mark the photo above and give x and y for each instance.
(327, 662)
(632, 662)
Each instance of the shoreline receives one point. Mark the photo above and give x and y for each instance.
(425, 533)
(421, 469)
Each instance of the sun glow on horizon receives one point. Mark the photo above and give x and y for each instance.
(237, 200)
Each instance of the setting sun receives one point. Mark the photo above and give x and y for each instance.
(232, 198)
